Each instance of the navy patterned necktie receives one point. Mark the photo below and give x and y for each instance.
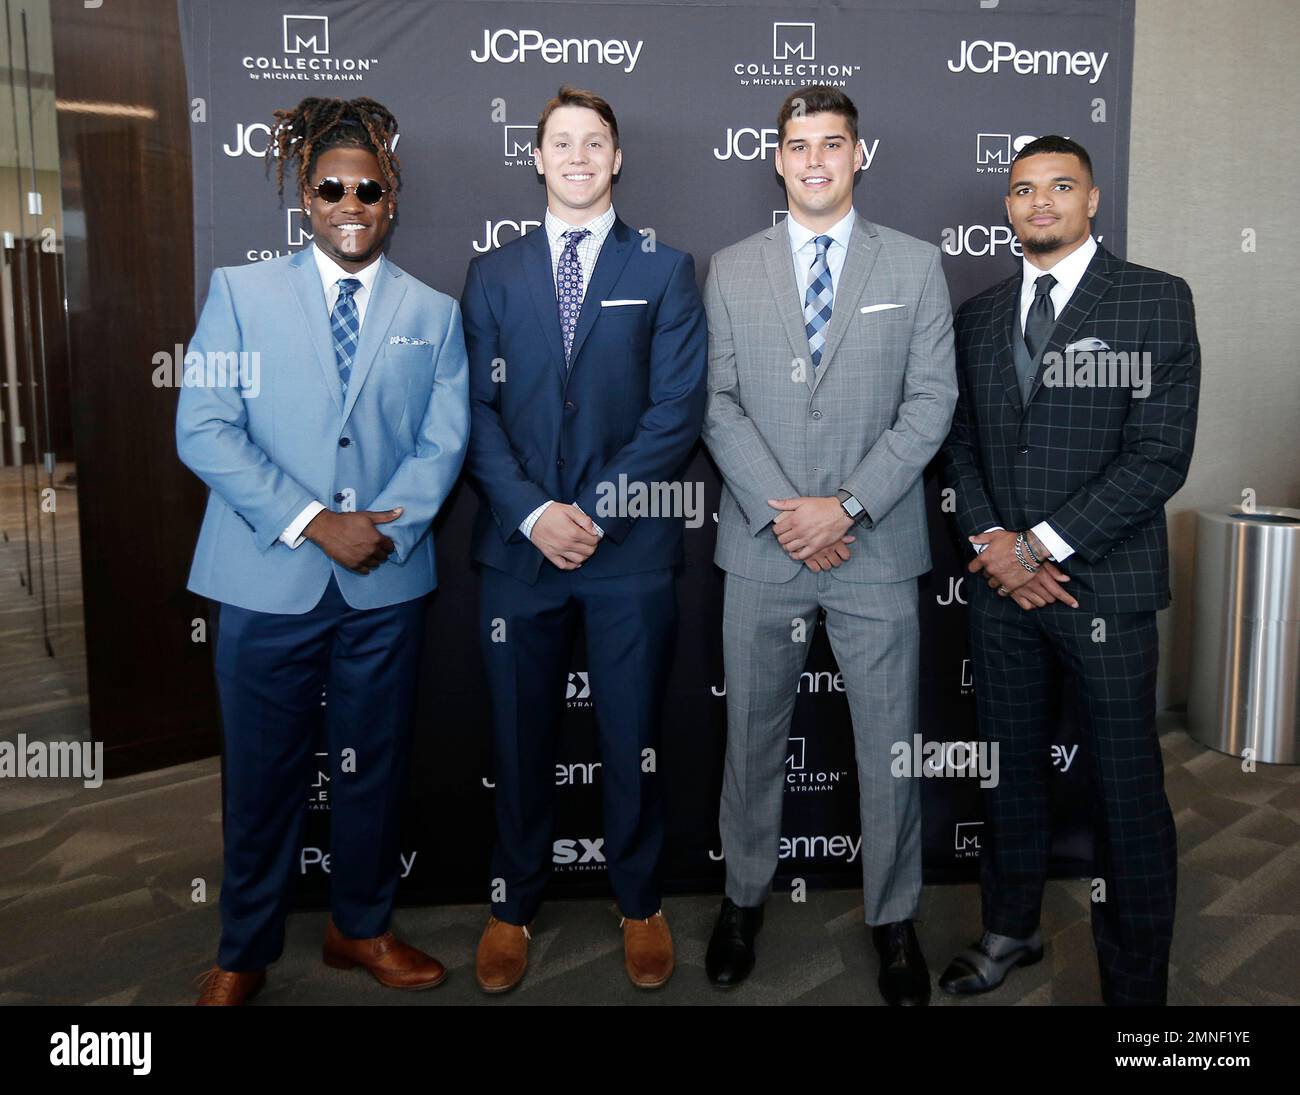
(345, 326)
(568, 286)
(818, 301)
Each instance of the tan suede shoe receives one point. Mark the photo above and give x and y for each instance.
(502, 955)
(648, 951)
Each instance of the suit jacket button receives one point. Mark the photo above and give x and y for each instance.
(569, 405)
(560, 462)
(1023, 449)
(817, 414)
(339, 497)
(344, 442)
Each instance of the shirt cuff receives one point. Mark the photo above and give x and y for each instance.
(293, 534)
(526, 526)
(600, 532)
(1057, 548)
(980, 547)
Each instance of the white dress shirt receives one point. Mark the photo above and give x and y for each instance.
(1068, 273)
(331, 273)
(588, 251)
(803, 251)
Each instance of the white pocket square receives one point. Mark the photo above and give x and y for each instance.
(1086, 345)
(620, 303)
(879, 308)
(407, 340)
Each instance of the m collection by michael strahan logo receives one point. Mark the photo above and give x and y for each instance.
(794, 61)
(306, 54)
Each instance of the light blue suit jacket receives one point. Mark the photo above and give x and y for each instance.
(290, 437)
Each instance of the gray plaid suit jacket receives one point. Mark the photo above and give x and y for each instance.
(868, 421)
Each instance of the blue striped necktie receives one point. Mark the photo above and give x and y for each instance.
(818, 301)
(345, 326)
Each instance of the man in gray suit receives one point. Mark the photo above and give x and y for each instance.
(831, 385)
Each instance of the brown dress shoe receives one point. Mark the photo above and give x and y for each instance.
(502, 955)
(225, 988)
(388, 960)
(648, 951)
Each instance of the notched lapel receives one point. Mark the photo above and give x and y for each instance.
(1093, 286)
(541, 287)
(1003, 314)
(787, 295)
(385, 296)
(864, 247)
(305, 279)
(614, 253)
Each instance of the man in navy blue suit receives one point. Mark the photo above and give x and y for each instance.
(588, 363)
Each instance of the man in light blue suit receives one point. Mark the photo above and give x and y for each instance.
(325, 405)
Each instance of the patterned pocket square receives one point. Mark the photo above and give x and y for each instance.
(1086, 345)
(879, 307)
(407, 340)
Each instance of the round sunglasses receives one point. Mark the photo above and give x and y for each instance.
(332, 190)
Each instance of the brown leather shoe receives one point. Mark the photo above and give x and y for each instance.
(648, 951)
(502, 955)
(225, 988)
(386, 958)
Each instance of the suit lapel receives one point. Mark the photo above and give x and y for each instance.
(541, 286)
(385, 296)
(787, 293)
(1004, 313)
(614, 253)
(305, 279)
(864, 246)
(1091, 288)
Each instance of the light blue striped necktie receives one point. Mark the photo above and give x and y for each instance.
(345, 326)
(818, 300)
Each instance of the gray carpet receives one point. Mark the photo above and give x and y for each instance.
(95, 907)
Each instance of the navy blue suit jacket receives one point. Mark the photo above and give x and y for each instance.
(630, 404)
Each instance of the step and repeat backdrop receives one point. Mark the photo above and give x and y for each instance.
(947, 93)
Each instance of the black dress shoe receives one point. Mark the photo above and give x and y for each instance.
(904, 976)
(984, 965)
(730, 957)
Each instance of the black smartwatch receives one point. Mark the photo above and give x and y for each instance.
(853, 509)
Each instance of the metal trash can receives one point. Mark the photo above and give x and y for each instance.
(1245, 687)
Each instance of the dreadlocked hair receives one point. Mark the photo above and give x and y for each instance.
(316, 125)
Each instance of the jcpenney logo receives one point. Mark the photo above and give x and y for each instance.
(980, 57)
(749, 143)
(509, 47)
(254, 139)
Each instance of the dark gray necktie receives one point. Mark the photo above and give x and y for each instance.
(1041, 318)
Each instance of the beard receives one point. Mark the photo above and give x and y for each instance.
(1041, 245)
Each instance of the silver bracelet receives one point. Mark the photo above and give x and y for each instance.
(1020, 558)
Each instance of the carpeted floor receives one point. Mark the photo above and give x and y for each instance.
(95, 907)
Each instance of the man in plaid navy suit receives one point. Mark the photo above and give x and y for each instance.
(1078, 385)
